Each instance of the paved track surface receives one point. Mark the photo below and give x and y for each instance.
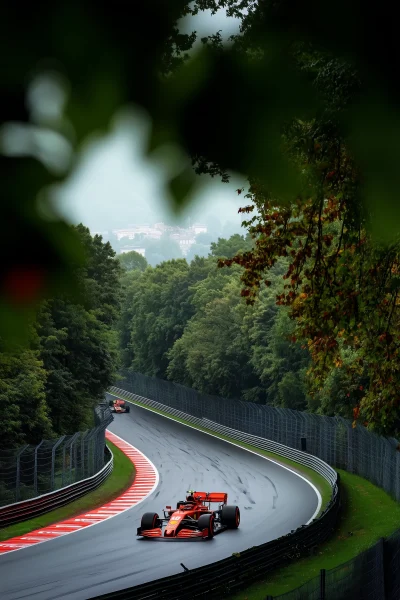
(108, 557)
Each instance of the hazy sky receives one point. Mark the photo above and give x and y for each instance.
(114, 185)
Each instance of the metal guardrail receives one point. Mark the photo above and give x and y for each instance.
(73, 466)
(27, 509)
(231, 574)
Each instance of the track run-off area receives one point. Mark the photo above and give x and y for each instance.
(106, 555)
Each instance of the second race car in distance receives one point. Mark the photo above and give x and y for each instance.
(193, 518)
(120, 406)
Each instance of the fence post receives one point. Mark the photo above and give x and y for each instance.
(53, 459)
(95, 444)
(18, 473)
(83, 440)
(35, 477)
(88, 440)
(72, 450)
(322, 575)
(63, 467)
(350, 436)
(303, 441)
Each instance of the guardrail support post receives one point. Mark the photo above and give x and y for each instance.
(322, 576)
(303, 441)
(18, 473)
(35, 477)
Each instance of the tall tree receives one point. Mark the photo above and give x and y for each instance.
(77, 340)
(76, 350)
(24, 412)
(212, 355)
(341, 284)
(227, 248)
(131, 261)
(159, 304)
(99, 276)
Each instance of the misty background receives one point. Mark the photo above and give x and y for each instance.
(114, 186)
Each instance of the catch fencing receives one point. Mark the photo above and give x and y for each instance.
(32, 471)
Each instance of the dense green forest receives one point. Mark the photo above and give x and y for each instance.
(49, 386)
(188, 323)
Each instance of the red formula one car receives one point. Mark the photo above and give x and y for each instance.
(192, 518)
(120, 406)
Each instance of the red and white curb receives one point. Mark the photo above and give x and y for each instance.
(146, 481)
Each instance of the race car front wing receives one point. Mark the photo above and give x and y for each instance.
(183, 534)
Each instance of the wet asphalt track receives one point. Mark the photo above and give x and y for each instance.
(108, 556)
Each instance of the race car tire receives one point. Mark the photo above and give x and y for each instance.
(111, 403)
(127, 408)
(230, 516)
(149, 521)
(206, 522)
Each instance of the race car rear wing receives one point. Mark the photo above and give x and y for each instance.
(220, 497)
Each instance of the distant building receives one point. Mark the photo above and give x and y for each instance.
(197, 228)
(184, 237)
(132, 232)
(185, 240)
(161, 226)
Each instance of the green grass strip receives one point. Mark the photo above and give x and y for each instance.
(320, 482)
(368, 514)
(121, 478)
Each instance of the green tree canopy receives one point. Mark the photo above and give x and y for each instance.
(24, 412)
(212, 355)
(131, 261)
(228, 248)
(159, 307)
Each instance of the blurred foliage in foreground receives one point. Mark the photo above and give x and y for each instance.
(226, 108)
(304, 102)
